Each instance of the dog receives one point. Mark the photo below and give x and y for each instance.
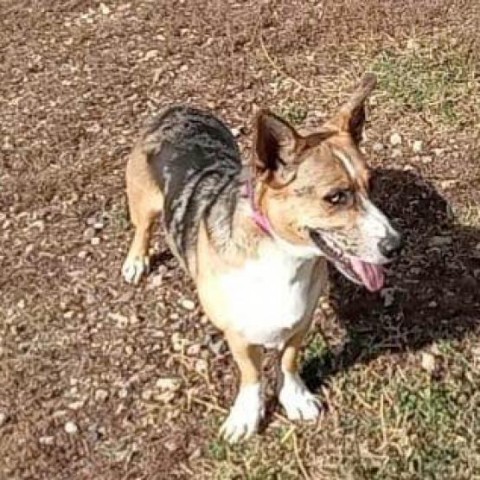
(256, 241)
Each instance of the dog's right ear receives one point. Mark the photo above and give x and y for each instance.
(277, 147)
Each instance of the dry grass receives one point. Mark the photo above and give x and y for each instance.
(145, 379)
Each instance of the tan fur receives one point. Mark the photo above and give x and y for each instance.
(145, 202)
(290, 196)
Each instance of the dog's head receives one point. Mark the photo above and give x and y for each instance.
(315, 191)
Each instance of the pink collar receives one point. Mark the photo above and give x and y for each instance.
(258, 217)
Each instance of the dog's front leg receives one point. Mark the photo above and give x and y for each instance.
(248, 409)
(298, 402)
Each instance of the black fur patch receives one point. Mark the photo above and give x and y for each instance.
(196, 162)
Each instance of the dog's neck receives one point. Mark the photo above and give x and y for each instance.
(251, 226)
(259, 218)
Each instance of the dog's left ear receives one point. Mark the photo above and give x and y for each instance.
(351, 116)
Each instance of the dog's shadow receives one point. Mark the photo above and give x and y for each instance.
(433, 290)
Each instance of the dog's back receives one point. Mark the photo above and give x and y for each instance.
(194, 159)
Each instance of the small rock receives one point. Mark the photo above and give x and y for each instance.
(388, 295)
(187, 304)
(170, 384)
(445, 184)
(201, 366)
(171, 446)
(397, 153)
(237, 131)
(157, 280)
(123, 393)
(89, 233)
(147, 395)
(428, 362)
(128, 350)
(217, 347)
(432, 304)
(178, 342)
(95, 241)
(440, 241)
(71, 427)
(193, 349)
(378, 147)
(98, 225)
(412, 44)
(427, 159)
(101, 395)
(150, 54)
(395, 139)
(76, 405)
(417, 146)
(3, 418)
(104, 9)
(46, 440)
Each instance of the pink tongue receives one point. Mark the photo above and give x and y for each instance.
(372, 275)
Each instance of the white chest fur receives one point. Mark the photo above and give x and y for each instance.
(270, 295)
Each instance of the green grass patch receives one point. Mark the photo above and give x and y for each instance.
(437, 78)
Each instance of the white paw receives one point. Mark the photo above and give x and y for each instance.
(297, 401)
(134, 267)
(245, 415)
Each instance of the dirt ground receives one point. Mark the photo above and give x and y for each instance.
(102, 380)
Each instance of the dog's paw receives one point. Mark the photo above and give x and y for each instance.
(245, 415)
(297, 401)
(134, 267)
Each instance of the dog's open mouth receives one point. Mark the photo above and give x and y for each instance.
(370, 275)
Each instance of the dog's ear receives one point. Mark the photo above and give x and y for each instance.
(351, 116)
(278, 148)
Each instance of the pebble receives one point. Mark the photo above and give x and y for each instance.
(397, 153)
(388, 295)
(169, 384)
(46, 440)
(187, 304)
(71, 427)
(150, 54)
(104, 9)
(428, 362)
(147, 395)
(440, 241)
(89, 233)
(95, 241)
(395, 139)
(101, 395)
(76, 405)
(3, 418)
(378, 147)
(417, 146)
(237, 131)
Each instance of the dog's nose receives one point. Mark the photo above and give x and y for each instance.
(390, 246)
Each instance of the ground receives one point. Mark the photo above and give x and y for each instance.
(102, 380)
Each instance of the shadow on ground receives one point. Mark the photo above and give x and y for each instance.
(433, 290)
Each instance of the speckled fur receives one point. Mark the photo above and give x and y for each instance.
(196, 162)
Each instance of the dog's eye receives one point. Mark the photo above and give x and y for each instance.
(339, 197)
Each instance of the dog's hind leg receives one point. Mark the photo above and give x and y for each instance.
(145, 202)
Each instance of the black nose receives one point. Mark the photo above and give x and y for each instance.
(390, 246)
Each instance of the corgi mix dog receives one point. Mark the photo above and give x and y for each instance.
(256, 241)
